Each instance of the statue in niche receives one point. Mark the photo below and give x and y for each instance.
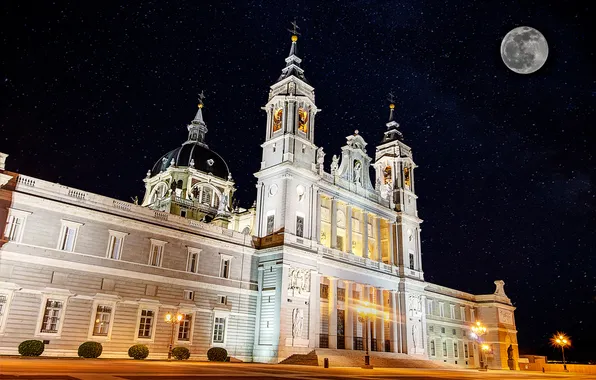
(415, 335)
(334, 164)
(357, 171)
(223, 204)
(320, 156)
(510, 352)
(297, 323)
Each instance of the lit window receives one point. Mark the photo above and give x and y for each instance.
(15, 224)
(68, 235)
(103, 316)
(146, 323)
(156, 252)
(219, 329)
(52, 316)
(185, 327)
(115, 244)
(225, 266)
(341, 294)
(189, 295)
(192, 262)
(324, 291)
(432, 348)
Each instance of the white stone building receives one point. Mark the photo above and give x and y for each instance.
(287, 276)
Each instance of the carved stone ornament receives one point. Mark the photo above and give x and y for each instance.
(299, 282)
(297, 322)
(414, 305)
(505, 316)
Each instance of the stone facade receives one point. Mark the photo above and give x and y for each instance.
(293, 273)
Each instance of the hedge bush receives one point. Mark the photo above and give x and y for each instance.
(217, 354)
(181, 353)
(31, 348)
(138, 351)
(90, 350)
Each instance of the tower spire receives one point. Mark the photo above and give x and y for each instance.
(197, 129)
(293, 61)
(392, 132)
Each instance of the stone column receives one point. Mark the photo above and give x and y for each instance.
(391, 234)
(314, 310)
(393, 327)
(332, 312)
(378, 238)
(349, 305)
(380, 321)
(366, 333)
(349, 228)
(333, 223)
(364, 234)
(317, 222)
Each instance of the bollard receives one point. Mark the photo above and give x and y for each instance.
(326, 363)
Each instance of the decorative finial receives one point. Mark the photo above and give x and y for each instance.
(294, 31)
(356, 132)
(201, 97)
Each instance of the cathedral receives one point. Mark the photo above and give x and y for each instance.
(323, 261)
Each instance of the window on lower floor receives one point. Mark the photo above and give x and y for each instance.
(432, 348)
(52, 316)
(223, 300)
(184, 329)
(443, 330)
(189, 295)
(466, 350)
(219, 329)
(453, 331)
(444, 348)
(324, 291)
(341, 294)
(455, 350)
(103, 316)
(146, 323)
(431, 328)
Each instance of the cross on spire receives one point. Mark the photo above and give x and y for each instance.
(391, 97)
(294, 29)
(201, 97)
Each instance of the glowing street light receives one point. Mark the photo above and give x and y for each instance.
(173, 321)
(364, 313)
(561, 340)
(477, 331)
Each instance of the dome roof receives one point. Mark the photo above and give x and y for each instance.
(204, 159)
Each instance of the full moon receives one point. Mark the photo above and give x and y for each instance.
(524, 50)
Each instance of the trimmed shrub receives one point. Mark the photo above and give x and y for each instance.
(138, 351)
(217, 354)
(90, 350)
(181, 353)
(31, 348)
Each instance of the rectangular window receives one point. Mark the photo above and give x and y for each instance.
(52, 316)
(219, 328)
(156, 252)
(68, 235)
(225, 267)
(101, 326)
(183, 213)
(472, 315)
(455, 351)
(184, 329)
(3, 306)
(466, 350)
(324, 291)
(300, 226)
(192, 262)
(452, 311)
(223, 300)
(432, 348)
(445, 349)
(429, 307)
(462, 313)
(453, 332)
(441, 309)
(341, 294)
(115, 243)
(270, 224)
(356, 295)
(431, 328)
(146, 323)
(15, 225)
(411, 260)
(442, 330)
(189, 295)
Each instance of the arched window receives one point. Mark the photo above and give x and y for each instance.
(159, 192)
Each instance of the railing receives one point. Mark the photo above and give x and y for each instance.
(387, 346)
(76, 194)
(323, 341)
(121, 205)
(341, 342)
(373, 344)
(354, 259)
(25, 181)
(358, 343)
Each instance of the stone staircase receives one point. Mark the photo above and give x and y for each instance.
(349, 358)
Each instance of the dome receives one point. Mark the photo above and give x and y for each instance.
(204, 158)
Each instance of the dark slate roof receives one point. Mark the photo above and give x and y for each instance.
(204, 158)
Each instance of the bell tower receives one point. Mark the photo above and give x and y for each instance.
(289, 168)
(394, 167)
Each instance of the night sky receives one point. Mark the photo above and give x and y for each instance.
(93, 93)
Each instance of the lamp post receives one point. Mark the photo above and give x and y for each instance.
(364, 313)
(561, 340)
(173, 321)
(477, 331)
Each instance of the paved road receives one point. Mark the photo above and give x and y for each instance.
(98, 369)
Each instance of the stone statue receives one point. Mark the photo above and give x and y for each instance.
(297, 323)
(415, 335)
(320, 156)
(299, 280)
(510, 352)
(334, 164)
(223, 204)
(500, 291)
(357, 172)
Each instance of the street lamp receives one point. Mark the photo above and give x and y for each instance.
(561, 340)
(477, 331)
(364, 313)
(173, 321)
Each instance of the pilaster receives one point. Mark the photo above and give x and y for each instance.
(333, 223)
(349, 228)
(349, 305)
(314, 312)
(391, 243)
(332, 312)
(378, 238)
(380, 321)
(393, 327)
(364, 234)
